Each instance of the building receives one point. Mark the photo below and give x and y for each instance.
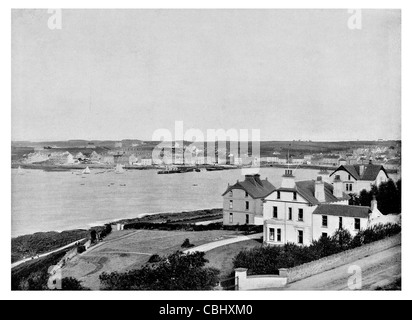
(288, 210)
(243, 201)
(360, 177)
(146, 162)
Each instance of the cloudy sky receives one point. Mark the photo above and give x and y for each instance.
(293, 74)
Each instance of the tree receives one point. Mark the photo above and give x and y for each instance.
(177, 271)
(72, 284)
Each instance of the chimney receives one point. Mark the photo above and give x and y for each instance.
(361, 170)
(320, 190)
(254, 179)
(374, 204)
(338, 187)
(325, 175)
(288, 180)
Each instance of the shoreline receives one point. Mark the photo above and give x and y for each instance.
(151, 216)
(63, 168)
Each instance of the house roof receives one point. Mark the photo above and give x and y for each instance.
(307, 190)
(255, 187)
(343, 211)
(370, 173)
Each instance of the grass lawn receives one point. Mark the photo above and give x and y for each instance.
(222, 258)
(130, 249)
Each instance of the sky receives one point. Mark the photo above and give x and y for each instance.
(122, 74)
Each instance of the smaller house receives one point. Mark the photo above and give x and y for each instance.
(360, 177)
(243, 201)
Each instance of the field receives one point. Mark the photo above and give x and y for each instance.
(130, 249)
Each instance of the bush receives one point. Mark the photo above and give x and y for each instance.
(177, 271)
(81, 249)
(72, 284)
(155, 258)
(186, 244)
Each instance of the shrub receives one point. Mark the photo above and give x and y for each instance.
(81, 249)
(72, 284)
(155, 258)
(186, 244)
(177, 271)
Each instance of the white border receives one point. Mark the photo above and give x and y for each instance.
(267, 295)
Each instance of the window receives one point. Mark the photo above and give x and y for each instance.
(340, 223)
(230, 193)
(279, 235)
(278, 194)
(230, 217)
(348, 177)
(295, 196)
(300, 215)
(300, 237)
(231, 204)
(271, 234)
(247, 219)
(275, 212)
(349, 187)
(247, 205)
(324, 235)
(246, 195)
(290, 214)
(357, 225)
(325, 221)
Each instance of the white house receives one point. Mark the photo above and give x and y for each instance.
(243, 201)
(146, 162)
(288, 210)
(359, 177)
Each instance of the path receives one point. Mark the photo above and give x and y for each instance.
(15, 264)
(378, 269)
(216, 244)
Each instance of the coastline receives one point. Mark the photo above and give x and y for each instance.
(142, 217)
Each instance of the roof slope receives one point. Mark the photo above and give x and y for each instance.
(343, 211)
(307, 190)
(370, 173)
(255, 187)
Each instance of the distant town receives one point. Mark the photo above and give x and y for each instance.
(137, 154)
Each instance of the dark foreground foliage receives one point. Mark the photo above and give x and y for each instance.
(177, 271)
(389, 196)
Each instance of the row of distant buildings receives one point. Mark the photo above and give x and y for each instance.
(302, 211)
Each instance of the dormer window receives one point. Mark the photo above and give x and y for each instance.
(246, 195)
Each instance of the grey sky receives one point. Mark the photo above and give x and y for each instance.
(293, 74)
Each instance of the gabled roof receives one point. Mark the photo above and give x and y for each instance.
(343, 211)
(307, 190)
(255, 187)
(370, 173)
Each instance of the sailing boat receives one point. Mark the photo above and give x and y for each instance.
(119, 168)
(20, 170)
(86, 171)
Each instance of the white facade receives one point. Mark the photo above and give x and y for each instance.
(334, 223)
(352, 185)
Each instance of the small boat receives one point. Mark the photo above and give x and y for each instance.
(198, 170)
(119, 168)
(86, 171)
(20, 170)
